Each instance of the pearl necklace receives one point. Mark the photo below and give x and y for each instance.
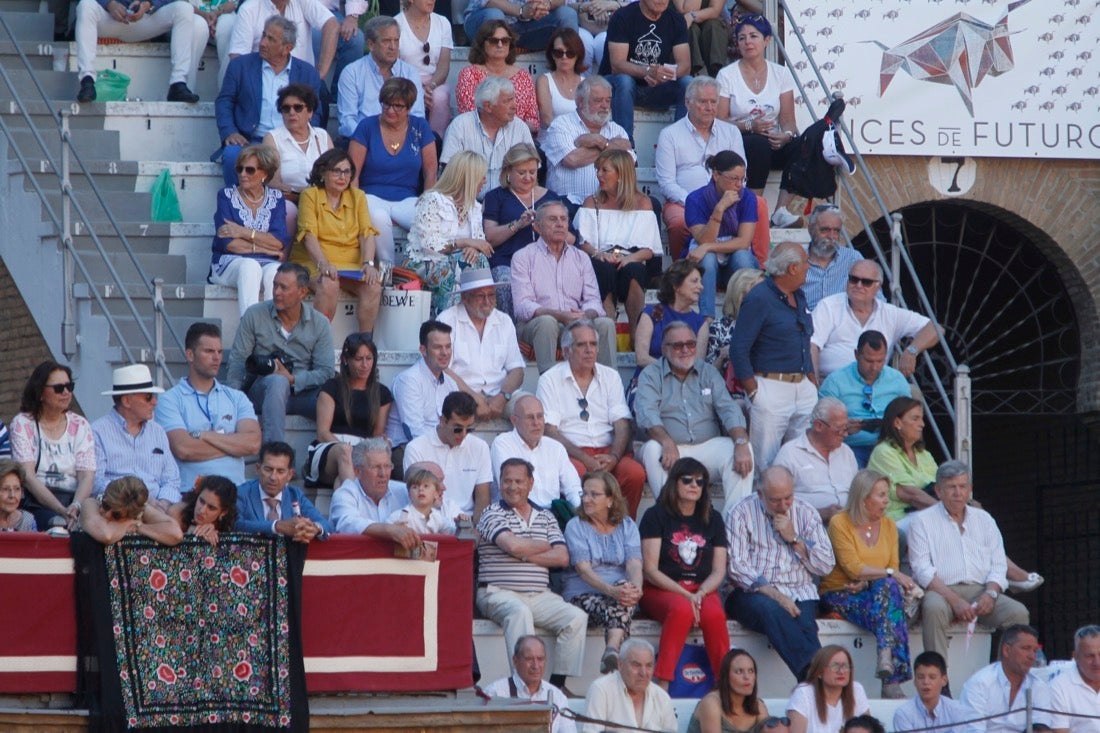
(248, 199)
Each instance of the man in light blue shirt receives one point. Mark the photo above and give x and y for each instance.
(363, 505)
(211, 427)
(830, 259)
(129, 443)
(360, 82)
(866, 387)
(931, 708)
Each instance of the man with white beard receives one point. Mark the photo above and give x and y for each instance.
(574, 140)
(829, 259)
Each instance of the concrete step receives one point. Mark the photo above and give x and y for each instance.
(39, 54)
(90, 144)
(148, 64)
(23, 25)
(125, 206)
(56, 85)
(41, 114)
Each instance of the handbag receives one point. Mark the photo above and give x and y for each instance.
(693, 676)
(406, 279)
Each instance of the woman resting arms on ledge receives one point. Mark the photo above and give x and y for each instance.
(124, 509)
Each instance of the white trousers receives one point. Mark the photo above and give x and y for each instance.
(716, 454)
(519, 613)
(593, 48)
(383, 215)
(223, 31)
(247, 275)
(780, 411)
(189, 34)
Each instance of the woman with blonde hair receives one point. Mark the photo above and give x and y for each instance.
(867, 586)
(447, 234)
(618, 229)
(124, 509)
(718, 338)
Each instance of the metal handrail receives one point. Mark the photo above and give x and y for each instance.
(63, 226)
(899, 248)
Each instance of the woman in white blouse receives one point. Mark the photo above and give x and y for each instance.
(556, 90)
(426, 43)
(758, 96)
(829, 696)
(298, 144)
(447, 234)
(618, 229)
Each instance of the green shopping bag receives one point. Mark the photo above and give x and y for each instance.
(111, 86)
(166, 204)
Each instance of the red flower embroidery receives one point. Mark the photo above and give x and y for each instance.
(158, 580)
(239, 576)
(166, 674)
(148, 612)
(185, 574)
(208, 562)
(242, 609)
(160, 641)
(242, 671)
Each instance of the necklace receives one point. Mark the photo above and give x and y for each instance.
(565, 88)
(756, 80)
(248, 199)
(395, 146)
(303, 143)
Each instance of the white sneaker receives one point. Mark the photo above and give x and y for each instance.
(1034, 580)
(784, 219)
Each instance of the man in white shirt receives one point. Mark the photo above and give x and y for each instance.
(629, 696)
(526, 683)
(305, 14)
(682, 150)
(574, 140)
(361, 81)
(464, 457)
(586, 412)
(485, 357)
(363, 504)
(1076, 689)
(957, 555)
(840, 319)
(490, 130)
(554, 475)
(419, 391)
(1002, 686)
(823, 466)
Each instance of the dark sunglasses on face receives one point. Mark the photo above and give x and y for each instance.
(496, 41)
(249, 169)
(292, 108)
(63, 387)
(864, 281)
(460, 429)
(690, 480)
(563, 53)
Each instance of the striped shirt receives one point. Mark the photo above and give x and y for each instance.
(574, 183)
(145, 455)
(496, 566)
(939, 548)
(758, 556)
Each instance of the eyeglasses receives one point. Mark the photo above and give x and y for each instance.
(682, 345)
(460, 429)
(396, 107)
(731, 179)
(594, 494)
(693, 480)
(426, 48)
(563, 53)
(776, 722)
(249, 169)
(840, 666)
(63, 387)
(823, 208)
(583, 404)
(866, 282)
(498, 41)
(149, 396)
(842, 430)
(340, 172)
(868, 393)
(299, 108)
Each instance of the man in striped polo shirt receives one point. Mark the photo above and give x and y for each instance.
(517, 545)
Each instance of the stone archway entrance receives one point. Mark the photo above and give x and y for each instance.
(1002, 302)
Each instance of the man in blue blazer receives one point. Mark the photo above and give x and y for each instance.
(245, 107)
(267, 505)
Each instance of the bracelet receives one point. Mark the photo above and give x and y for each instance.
(253, 247)
(253, 236)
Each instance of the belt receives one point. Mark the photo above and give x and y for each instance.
(793, 378)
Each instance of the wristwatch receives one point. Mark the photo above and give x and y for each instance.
(889, 572)
(507, 396)
(992, 594)
(196, 434)
(740, 441)
(910, 349)
(796, 540)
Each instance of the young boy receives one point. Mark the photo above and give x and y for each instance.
(422, 514)
(931, 707)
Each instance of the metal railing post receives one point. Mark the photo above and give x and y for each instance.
(68, 320)
(964, 445)
(158, 330)
(895, 257)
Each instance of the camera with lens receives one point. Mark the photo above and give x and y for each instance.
(260, 365)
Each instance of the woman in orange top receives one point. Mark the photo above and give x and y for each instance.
(866, 586)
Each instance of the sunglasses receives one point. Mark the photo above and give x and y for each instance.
(498, 41)
(292, 108)
(776, 722)
(63, 387)
(427, 47)
(693, 480)
(563, 53)
(682, 345)
(149, 396)
(249, 169)
(868, 393)
(866, 282)
(460, 429)
(583, 404)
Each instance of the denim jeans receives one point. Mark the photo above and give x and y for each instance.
(628, 93)
(794, 639)
(534, 35)
(273, 400)
(713, 273)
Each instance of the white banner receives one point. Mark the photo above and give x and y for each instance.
(994, 78)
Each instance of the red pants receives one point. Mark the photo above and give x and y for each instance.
(678, 233)
(629, 473)
(676, 617)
